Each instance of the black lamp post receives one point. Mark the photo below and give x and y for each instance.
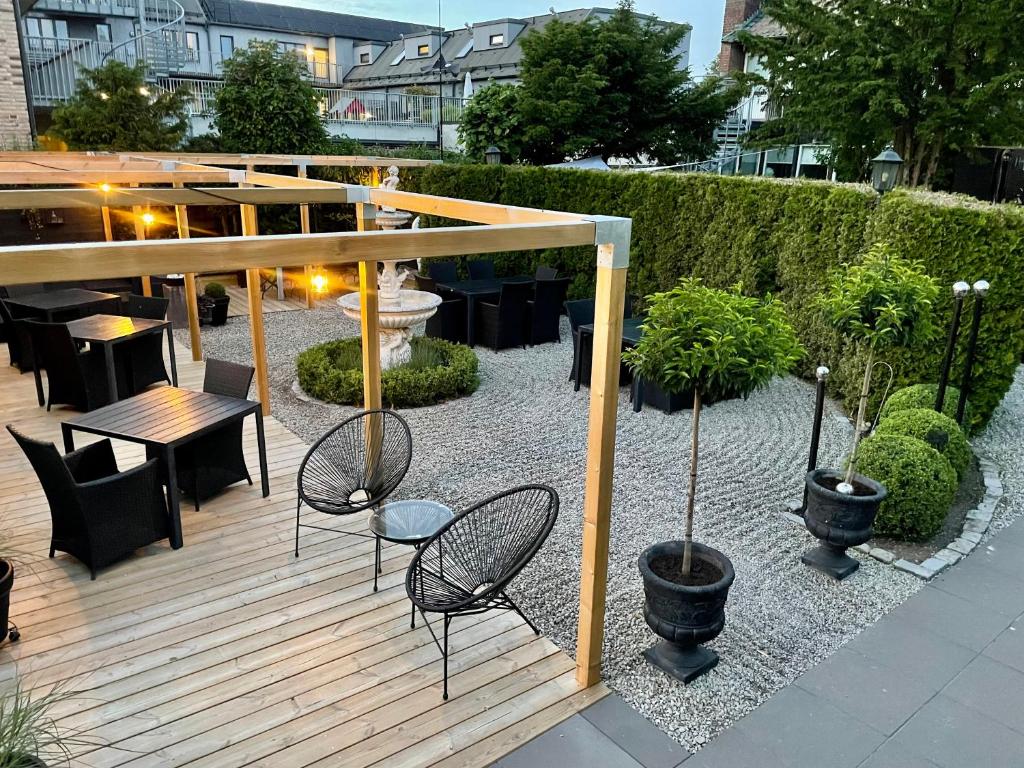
(885, 170)
(981, 288)
(960, 291)
(492, 155)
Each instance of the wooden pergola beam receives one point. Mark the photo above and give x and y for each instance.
(466, 210)
(125, 197)
(112, 177)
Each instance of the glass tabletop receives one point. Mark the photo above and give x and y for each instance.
(411, 521)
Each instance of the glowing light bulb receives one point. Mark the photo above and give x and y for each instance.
(143, 91)
(319, 283)
(104, 96)
(105, 187)
(148, 218)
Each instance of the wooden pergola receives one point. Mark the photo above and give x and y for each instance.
(104, 181)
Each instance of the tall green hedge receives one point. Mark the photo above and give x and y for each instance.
(781, 236)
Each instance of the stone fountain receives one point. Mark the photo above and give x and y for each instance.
(399, 309)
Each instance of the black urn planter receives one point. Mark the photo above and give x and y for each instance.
(839, 520)
(6, 584)
(219, 310)
(684, 616)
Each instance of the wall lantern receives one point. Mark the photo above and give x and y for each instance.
(885, 170)
(492, 155)
(319, 282)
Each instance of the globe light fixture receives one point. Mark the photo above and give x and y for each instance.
(148, 218)
(105, 187)
(319, 282)
(885, 170)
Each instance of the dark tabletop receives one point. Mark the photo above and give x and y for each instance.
(487, 285)
(105, 328)
(66, 298)
(409, 521)
(163, 415)
(631, 332)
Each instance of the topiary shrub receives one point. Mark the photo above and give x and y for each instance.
(923, 396)
(438, 370)
(215, 291)
(920, 481)
(936, 429)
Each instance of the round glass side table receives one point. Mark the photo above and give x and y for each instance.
(410, 522)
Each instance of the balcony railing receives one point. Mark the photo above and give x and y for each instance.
(55, 64)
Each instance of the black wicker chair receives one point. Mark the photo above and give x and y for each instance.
(546, 273)
(480, 269)
(581, 312)
(443, 271)
(212, 462)
(99, 515)
(466, 566)
(503, 325)
(449, 322)
(73, 377)
(354, 467)
(19, 340)
(544, 312)
(146, 353)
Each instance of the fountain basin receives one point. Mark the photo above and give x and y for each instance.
(395, 319)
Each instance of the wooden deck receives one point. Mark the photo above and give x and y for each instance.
(232, 652)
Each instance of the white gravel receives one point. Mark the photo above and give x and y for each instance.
(1002, 443)
(525, 424)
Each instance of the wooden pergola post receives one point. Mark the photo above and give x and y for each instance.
(140, 234)
(612, 239)
(191, 298)
(259, 341)
(366, 220)
(304, 228)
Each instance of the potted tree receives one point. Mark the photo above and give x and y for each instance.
(702, 340)
(884, 301)
(215, 301)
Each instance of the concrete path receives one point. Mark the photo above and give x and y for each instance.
(937, 683)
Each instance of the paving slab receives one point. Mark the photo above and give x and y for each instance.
(952, 617)
(574, 742)
(993, 689)
(634, 734)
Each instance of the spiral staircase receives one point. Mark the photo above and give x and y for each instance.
(159, 42)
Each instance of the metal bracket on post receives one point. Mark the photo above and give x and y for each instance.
(359, 195)
(615, 231)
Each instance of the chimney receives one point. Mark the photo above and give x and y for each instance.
(736, 12)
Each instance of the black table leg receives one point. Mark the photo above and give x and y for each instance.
(261, 442)
(471, 320)
(583, 338)
(39, 382)
(108, 357)
(170, 351)
(172, 498)
(69, 440)
(638, 393)
(376, 562)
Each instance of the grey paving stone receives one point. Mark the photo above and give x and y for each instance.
(974, 580)
(734, 749)
(954, 618)
(949, 556)
(911, 648)
(1008, 647)
(574, 742)
(872, 691)
(892, 755)
(963, 546)
(882, 555)
(1002, 556)
(913, 568)
(992, 688)
(971, 536)
(954, 736)
(633, 733)
(801, 730)
(975, 526)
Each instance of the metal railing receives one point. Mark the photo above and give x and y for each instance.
(54, 65)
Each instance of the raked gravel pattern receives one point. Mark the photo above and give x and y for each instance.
(525, 424)
(1003, 443)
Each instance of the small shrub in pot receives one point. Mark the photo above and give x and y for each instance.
(709, 342)
(217, 295)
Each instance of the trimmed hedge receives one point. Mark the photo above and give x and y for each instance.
(782, 236)
(939, 431)
(920, 482)
(333, 372)
(923, 396)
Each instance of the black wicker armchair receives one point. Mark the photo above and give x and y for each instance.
(544, 311)
(354, 467)
(443, 271)
(545, 273)
(147, 352)
(480, 269)
(449, 322)
(466, 566)
(503, 325)
(99, 515)
(215, 460)
(73, 377)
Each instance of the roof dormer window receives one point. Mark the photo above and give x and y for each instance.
(423, 50)
(364, 58)
(497, 40)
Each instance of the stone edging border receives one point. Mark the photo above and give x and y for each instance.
(976, 525)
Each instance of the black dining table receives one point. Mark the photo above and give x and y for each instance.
(631, 335)
(474, 291)
(51, 305)
(163, 419)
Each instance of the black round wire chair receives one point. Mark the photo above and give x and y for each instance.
(354, 467)
(466, 566)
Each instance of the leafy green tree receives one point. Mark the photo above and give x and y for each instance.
(267, 104)
(930, 76)
(492, 118)
(115, 109)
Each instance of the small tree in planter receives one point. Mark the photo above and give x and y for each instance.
(706, 341)
(216, 301)
(883, 302)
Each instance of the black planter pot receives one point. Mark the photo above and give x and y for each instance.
(6, 583)
(839, 520)
(219, 310)
(684, 616)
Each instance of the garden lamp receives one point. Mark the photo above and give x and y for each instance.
(319, 282)
(492, 155)
(885, 170)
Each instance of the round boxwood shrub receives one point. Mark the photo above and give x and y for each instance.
(936, 429)
(923, 396)
(438, 370)
(920, 481)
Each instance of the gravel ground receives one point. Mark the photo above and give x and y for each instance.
(525, 424)
(1001, 442)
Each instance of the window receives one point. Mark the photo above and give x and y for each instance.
(364, 58)
(423, 50)
(297, 48)
(321, 63)
(227, 46)
(103, 33)
(496, 40)
(50, 30)
(192, 46)
(464, 52)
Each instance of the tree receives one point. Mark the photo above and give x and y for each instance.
(492, 118)
(611, 88)
(267, 104)
(932, 77)
(114, 109)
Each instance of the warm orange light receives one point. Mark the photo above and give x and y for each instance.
(319, 282)
(148, 218)
(105, 187)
